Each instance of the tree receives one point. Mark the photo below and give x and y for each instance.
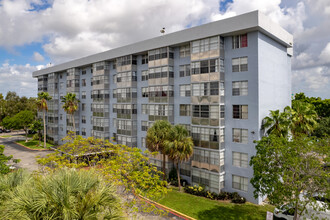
(156, 137)
(23, 120)
(322, 107)
(70, 106)
(37, 126)
(276, 123)
(303, 118)
(42, 99)
(125, 167)
(63, 194)
(291, 171)
(179, 147)
(323, 128)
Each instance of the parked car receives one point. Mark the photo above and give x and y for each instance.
(1, 130)
(6, 131)
(287, 211)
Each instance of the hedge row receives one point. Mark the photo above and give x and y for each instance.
(200, 191)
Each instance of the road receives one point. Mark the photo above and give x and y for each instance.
(27, 156)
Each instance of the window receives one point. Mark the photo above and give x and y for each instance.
(240, 159)
(239, 41)
(240, 111)
(83, 106)
(83, 119)
(83, 95)
(61, 85)
(144, 59)
(185, 90)
(144, 125)
(240, 183)
(240, 88)
(205, 66)
(185, 51)
(83, 82)
(240, 64)
(145, 91)
(161, 53)
(240, 135)
(184, 70)
(184, 110)
(206, 44)
(83, 72)
(144, 108)
(160, 91)
(161, 72)
(206, 89)
(144, 75)
(83, 131)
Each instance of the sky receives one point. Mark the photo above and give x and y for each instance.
(35, 34)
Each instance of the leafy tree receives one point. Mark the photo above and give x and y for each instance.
(284, 170)
(43, 97)
(125, 167)
(156, 137)
(37, 126)
(22, 120)
(63, 194)
(276, 123)
(303, 118)
(4, 168)
(323, 128)
(322, 107)
(70, 106)
(179, 147)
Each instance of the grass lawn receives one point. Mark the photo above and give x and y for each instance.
(34, 144)
(206, 209)
(29, 135)
(6, 136)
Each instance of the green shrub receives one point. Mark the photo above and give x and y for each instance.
(35, 137)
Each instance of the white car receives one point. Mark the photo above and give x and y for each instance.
(287, 211)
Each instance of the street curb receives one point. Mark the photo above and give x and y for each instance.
(31, 148)
(168, 209)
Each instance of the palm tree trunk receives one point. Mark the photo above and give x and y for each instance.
(164, 170)
(74, 125)
(178, 173)
(44, 120)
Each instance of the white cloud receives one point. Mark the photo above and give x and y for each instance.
(38, 57)
(70, 28)
(18, 78)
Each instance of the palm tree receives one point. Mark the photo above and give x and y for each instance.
(179, 147)
(43, 97)
(276, 123)
(304, 118)
(70, 106)
(156, 136)
(63, 194)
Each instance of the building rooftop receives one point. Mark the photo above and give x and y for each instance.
(252, 21)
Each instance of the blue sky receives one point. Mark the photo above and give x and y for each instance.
(35, 33)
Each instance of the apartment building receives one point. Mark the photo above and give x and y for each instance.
(219, 80)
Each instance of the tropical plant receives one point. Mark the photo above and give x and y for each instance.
(4, 168)
(63, 194)
(42, 99)
(276, 123)
(156, 137)
(70, 106)
(303, 117)
(179, 147)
